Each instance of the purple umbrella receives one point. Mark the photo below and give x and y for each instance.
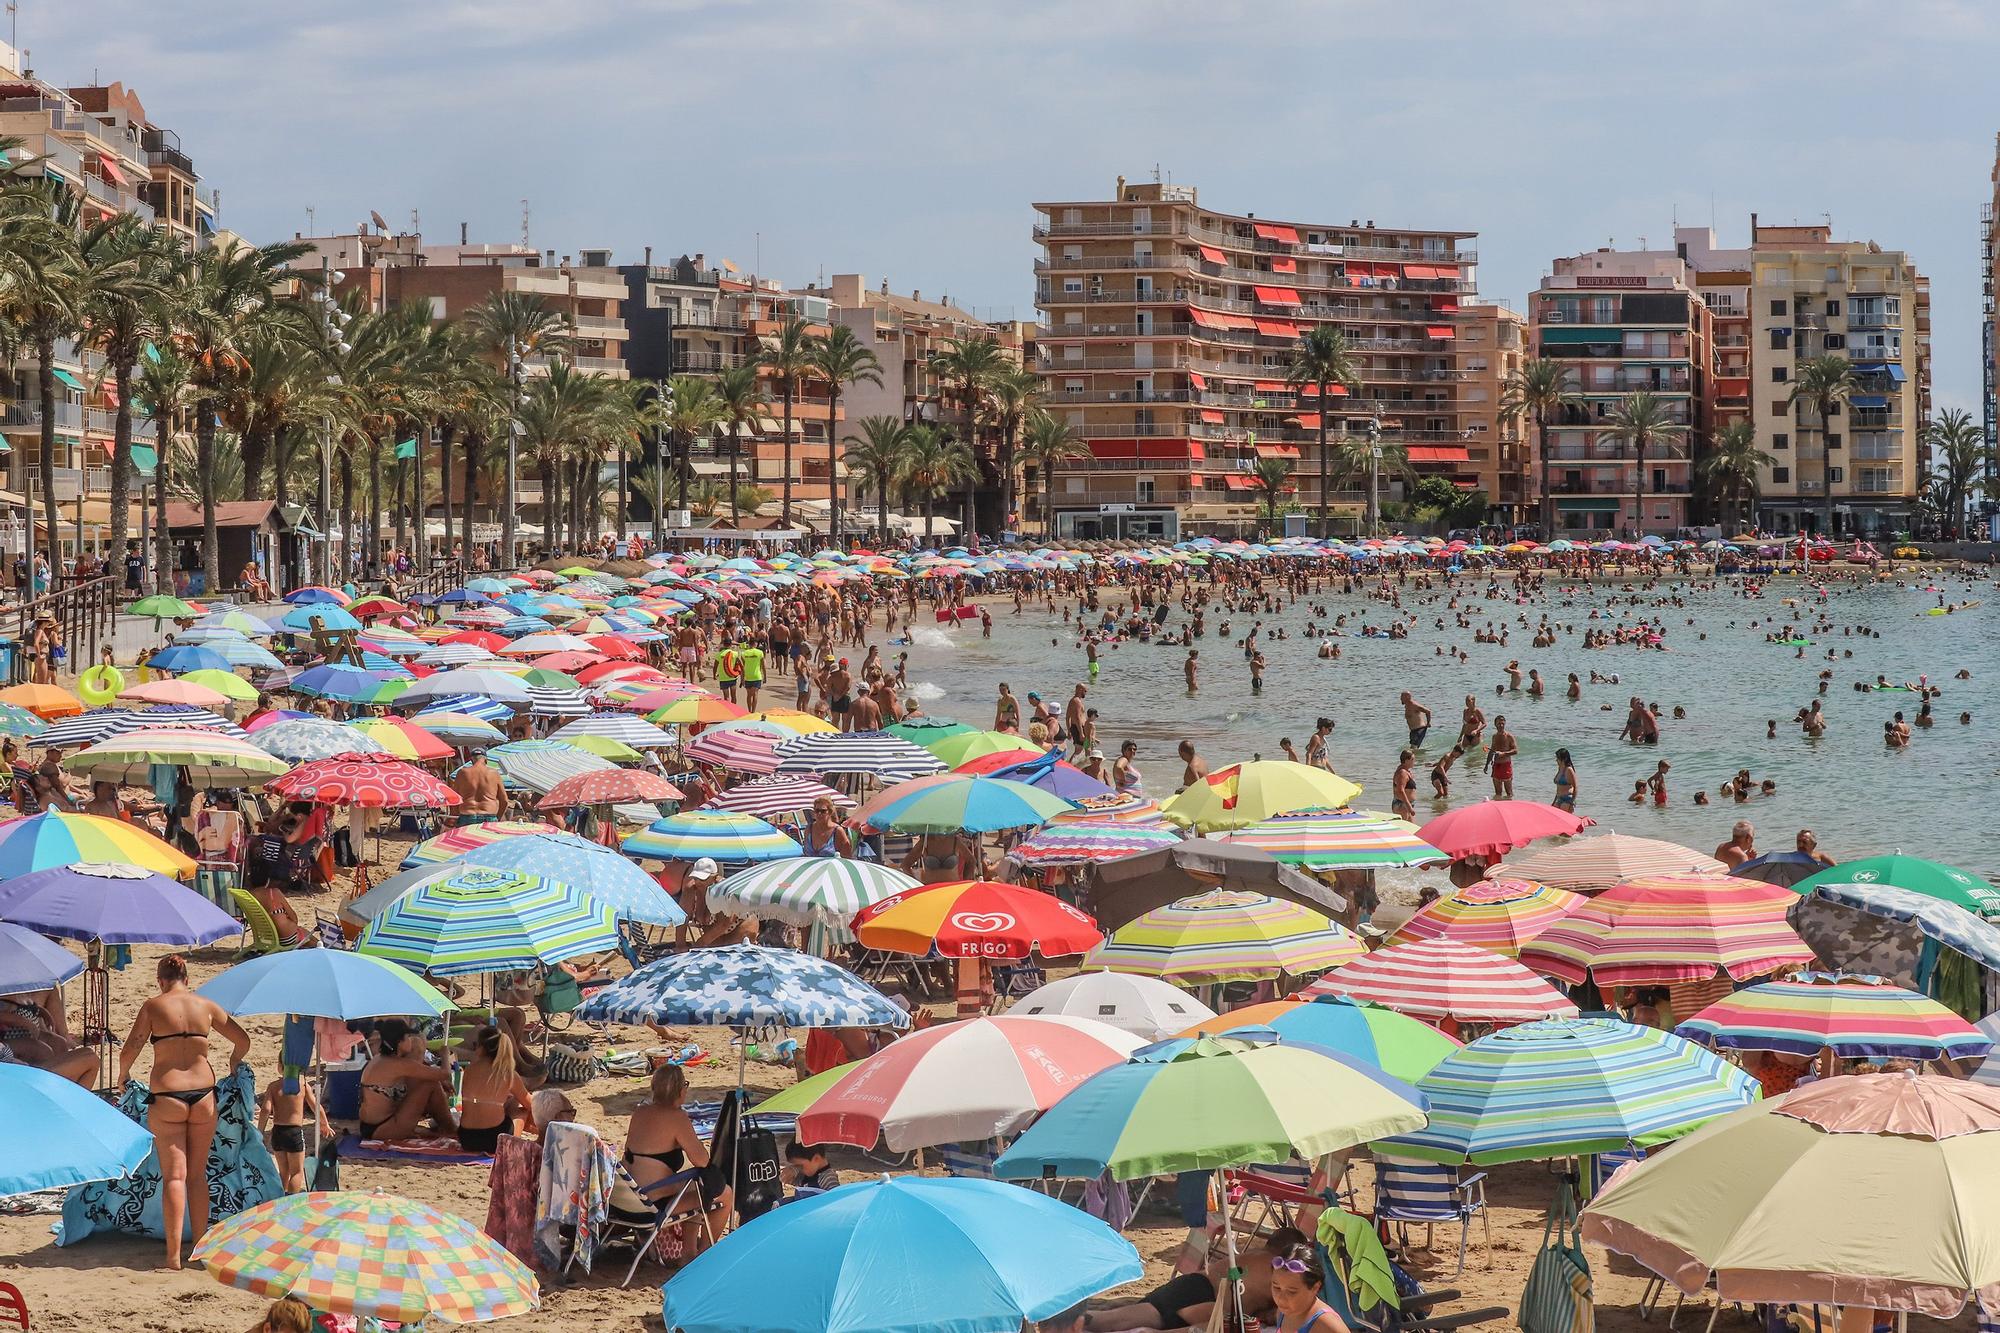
(1051, 775)
(118, 904)
(30, 963)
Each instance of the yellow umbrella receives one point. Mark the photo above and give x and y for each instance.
(696, 708)
(1251, 793)
(801, 723)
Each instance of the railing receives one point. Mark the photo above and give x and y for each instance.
(698, 361)
(612, 363)
(598, 325)
(83, 614)
(67, 415)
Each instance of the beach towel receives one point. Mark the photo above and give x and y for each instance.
(1370, 1276)
(240, 1171)
(513, 1186)
(415, 1152)
(575, 1192)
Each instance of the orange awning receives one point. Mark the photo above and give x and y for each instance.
(1443, 453)
(1277, 328)
(1306, 420)
(1441, 331)
(1236, 483)
(1445, 271)
(1419, 271)
(109, 167)
(1212, 255)
(1271, 231)
(1211, 416)
(1206, 320)
(1332, 391)
(1196, 453)
(1277, 451)
(1284, 266)
(1236, 322)
(1198, 380)
(1276, 295)
(1270, 386)
(1444, 304)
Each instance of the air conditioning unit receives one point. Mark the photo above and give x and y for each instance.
(1553, 317)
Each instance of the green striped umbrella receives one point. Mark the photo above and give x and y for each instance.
(811, 890)
(1339, 840)
(490, 920)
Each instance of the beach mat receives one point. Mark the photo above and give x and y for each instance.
(415, 1152)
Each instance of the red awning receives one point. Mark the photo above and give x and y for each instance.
(1196, 453)
(1236, 483)
(1332, 391)
(1445, 271)
(1114, 448)
(1212, 255)
(1273, 231)
(1306, 420)
(1276, 295)
(1277, 328)
(1441, 331)
(1243, 322)
(1277, 451)
(1206, 320)
(1211, 416)
(1270, 386)
(1440, 453)
(1174, 449)
(110, 169)
(1444, 304)
(1284, 266)
(1198, 380)
(1419, 271)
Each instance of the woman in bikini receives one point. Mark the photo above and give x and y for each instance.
(181, 1098)
(399, 1092)
(662, 1141)
(490, 1091)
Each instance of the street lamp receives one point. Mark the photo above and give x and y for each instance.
(662, 437)
(1374, 472)
(334, 321)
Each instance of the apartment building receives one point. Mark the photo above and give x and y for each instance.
(1621, 322)
(1169, 326)
(1806, 295)
(1989, 339)
(1492, 343)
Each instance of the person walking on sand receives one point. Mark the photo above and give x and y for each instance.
(1500, 759)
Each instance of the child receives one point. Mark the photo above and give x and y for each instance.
(1638, 796)
(284, 1114)
(806, 1165)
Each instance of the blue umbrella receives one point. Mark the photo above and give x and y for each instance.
(472, 705)
(324, 983)
(603, 875)
(115, 903)
(744, 985)
(307, 738)
(320, 615)
(30, 962)
(312, 597)
(240, 652)
(76, 1138)
(184, 657)
(1051, 775)
(336, 680)
(903, 1253)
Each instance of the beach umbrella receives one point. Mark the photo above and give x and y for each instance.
(871, 753)
(1569, 1087)
(461, 705)
(31, 962)
(58, 838)
(184, 657)
(1491, 829)
(1664, 929)
(810, 890)
(924, 728)
(633, 731)
(224, 682)
(1143, 1006)
(336, 680)
(798, 723)
(162, 607)
(1855, 1017)
(1783, 868)
(323, 983)
(1128, 807)
(717, 835)
(173, 692)
(300, 739)
(960, 746)
(790, 1101)
(373, 781)
(76, 1137)
(743, 985)
(1398, 1045)
(538, 765)
(315, 594)
(867, 1258)
(1226, 936)
(477, 919)
(1910, 938)
(740, 749)
(975, 1079)
(609, 786)
(972, 918)
(1933, 879)
(372, 1256)
(967, 804)
(557, 701)
(115, 903)
(1205, 1103)
(498, 686)
(18, 721)
(1325, 840)
(44, 701)
(688, 709)
(1854, 1191)
(1125, 889)
(1055, 845)
(403, 739)
(776, 798)
(1042, 771)
(1585, 865)
(1446, 979)
(458, 728)
(599, 871)
(235, 652)
(1249, 793)
(205, 759)
(1497, 914)
(453, 654)
(456, 842)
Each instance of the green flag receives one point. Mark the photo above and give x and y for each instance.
(407, 449)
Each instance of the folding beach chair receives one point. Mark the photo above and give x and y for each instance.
(639, 1213)
(257, 924)
(1431, 1193)
(1360, 1306)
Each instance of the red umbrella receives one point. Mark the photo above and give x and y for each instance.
(605, 672)
(370, 608)
(1445, 979)
(568, 663)
(981, 765)
(611, 645)
(977, 918)
(610, 786)
(378, 781)
(492, 643)
(1494, 828)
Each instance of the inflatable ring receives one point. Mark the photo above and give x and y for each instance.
(100, 685)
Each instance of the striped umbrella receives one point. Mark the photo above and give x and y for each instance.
(373, 781)
(1226, 936)
(404, 739)
(1497, 914)
(971, 1080)
(688, 709)
(452, 655)
(795, 722)
(58, 838)
(971, 918)
(101, 724)
(1122, 808)
(1339, 840)
(740, 986)
(372, 1256)
(811, 890)
(482, 919)
(776, 798)
(1398, 1045)
(968, 804)
(538, 765)
(1569, 1087)
(715, 834)
(466, 705)
(455, 843)
(633, 731)
(548, 641)
(206, 761)
(1586, 865)
(874, 753)
(236, 651)
(557, 701)
(498, 686)
(1446, 979)
(610, 786)
(304, 738)
(1055, 844)
(1855, 1017)
(459, 728)
(1669, 928)
(744, 749)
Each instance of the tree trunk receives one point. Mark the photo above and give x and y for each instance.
(882, 510)
(930, 506)
(286, 575)
(1548, 481)
(551, 504)
(371, 552)
(475, 444)
(347, 521)
(786, 521)
(400, 498)
(505, 501)
(1009, 442)
(446, 432)
(163, 544)
(121, 464)
(735, 447)
(624, 501)
(833, 496)
(45, 375)
(256, 451)
(1325, 471)
(1638, 489)
(204, 465)
(1049, 500)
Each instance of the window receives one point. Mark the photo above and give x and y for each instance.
(1073, 485)
(1833, 307)
(1780, 408)
(1072, 217)
(1836, 475)
(1781, 441)
(1074, 351)
(1833, 341)
(1778, 337)
(1780, 475)
(1833, 439)
(1779, 374)
(1072, 286)
(1074, 388)
(1779, 309)
(1833, 273)
(1145, 490)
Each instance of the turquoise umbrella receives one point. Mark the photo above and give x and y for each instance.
(485, 920)
(75, 1137)
(971, 805)
(324, 983)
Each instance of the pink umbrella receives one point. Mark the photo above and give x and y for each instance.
(610, 786)
(374, 781)
(174, 692)
(1446, 979)
(1491, 829)
(745, 749)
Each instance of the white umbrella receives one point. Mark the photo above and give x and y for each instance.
(1144, 1006)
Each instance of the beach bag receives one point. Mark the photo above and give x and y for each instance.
(1557, 1298)
(571, 1064)
(326, 1166)
(759, 1183)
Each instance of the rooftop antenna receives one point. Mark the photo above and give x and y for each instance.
(312, 216)
(1156, 173)
(416, 223)
(524, 222)
(14, 24)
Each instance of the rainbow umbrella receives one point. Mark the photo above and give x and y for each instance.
(454, 843)
(57, 838)
(206, 760)
(1068, 844)
(372, 1256)
(1497, 914)
(1398, 1045)
(1226, 936)
(404, 739)
(1590, 864)
(1669, 928)
(1339, 840)
(1121, 808)
(715, 834)
(1569, 1087)
(488, 920)
(1446, 979)
(1249, 793)
(968, 804)
(1855, 1017)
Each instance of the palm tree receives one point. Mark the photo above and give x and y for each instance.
(874, 458)
(789, 358)
(742, 397)
(1273, 478)
(1323, 360)
(46, 302)
(1732, 466)
(695, 413)
(561, 413)
(971, 365)
(164, 391)
(1010, 398)
(840, 359)
(126, 312)
(1539, 390)
(1638, 420)
(1958, 447)
(933, 463)
(1048, 442)
(642, 420)
(517, 327)
(1823, 384)
(1362, 459)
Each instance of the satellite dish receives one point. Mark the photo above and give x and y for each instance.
(376, 218)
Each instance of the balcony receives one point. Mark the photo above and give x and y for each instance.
(608, 365)
(596, 326)
(1610, 488)
(708, 319)
(1122, 224)
(1891, 352)
(28, 416)
(698, 362)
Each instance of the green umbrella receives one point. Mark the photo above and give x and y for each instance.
(1933, 879)
(954, 748)
(923, 730)
(162, 607)
(801, 1095)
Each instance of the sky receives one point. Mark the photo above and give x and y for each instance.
(907, 138)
